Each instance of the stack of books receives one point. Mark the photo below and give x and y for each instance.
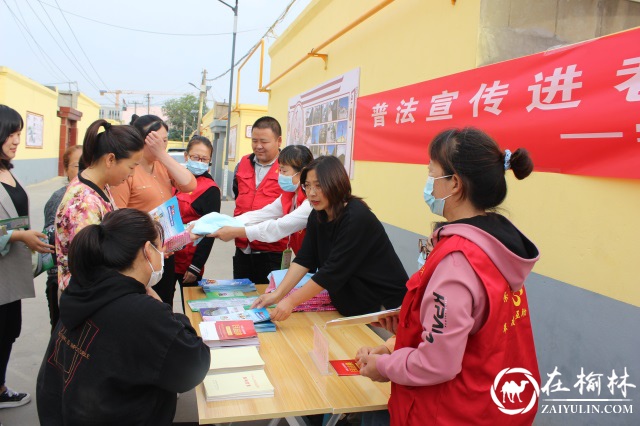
(226, 301)
(236, 373)
(217, 334)
(242, 284)
(260, 317)
(320, 302)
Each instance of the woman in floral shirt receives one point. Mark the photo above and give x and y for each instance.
(110, 157)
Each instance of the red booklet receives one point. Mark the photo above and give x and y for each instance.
(235, 329)
(345, 367)
(224, 333)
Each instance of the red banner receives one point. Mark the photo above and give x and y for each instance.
(576, 109)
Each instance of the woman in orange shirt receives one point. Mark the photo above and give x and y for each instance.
(152, 184)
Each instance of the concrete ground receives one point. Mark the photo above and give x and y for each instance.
(28, 350)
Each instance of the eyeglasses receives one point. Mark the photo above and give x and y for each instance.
(200, 159)
(308, 187)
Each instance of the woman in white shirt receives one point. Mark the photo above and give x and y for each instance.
(280, 218)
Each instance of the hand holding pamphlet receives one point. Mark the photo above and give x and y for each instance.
(167, 214)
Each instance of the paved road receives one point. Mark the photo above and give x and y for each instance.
(28, 350)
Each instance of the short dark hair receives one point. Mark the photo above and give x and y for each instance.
(267, 122)
(147, 124)
(479, 162)
(10, 122)
(111, 244)
(199, 140)
(120, 141)
(334, 182)
(296, 156)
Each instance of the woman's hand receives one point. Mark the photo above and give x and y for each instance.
(389, 323)
(189, 277)
(369, 368)
(155, 143)
(33, 240)
(266, 299)
(368, 350)
(228, 233)
(282, 311)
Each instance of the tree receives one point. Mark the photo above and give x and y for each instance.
(181, 111)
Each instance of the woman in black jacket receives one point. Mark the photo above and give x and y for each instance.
(118, 354)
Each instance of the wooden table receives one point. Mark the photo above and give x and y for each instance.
(300, 389)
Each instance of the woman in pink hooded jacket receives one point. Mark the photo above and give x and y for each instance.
(464, 350)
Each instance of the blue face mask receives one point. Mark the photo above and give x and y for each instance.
(196, 167)
(286, 183)
(435, 204)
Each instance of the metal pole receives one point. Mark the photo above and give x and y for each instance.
(225, 177)
(203, 91)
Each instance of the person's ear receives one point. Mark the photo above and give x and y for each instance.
(279, 141)
(456, 185)
(146, 250)
(186, 156)
(110, 160)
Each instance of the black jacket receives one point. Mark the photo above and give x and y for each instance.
(117, 356)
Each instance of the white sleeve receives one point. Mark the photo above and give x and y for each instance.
(270, 211)
(275, 229)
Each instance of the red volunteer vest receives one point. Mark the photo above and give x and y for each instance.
(505, 341)
(183, 257)
(295, 239)
(251, 198)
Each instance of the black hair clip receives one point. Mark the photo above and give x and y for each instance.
(106, 125)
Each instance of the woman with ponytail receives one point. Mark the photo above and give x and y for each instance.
(110, 155)
(153, 184)
(118, 355)
(465, 319)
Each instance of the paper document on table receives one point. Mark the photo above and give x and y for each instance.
(362, 319)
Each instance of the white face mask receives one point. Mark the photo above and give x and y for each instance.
(156, 276)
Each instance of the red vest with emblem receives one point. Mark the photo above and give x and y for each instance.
(295, 239)
(251, 198)
(505, 341)
(183, 257)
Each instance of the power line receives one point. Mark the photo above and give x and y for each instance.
(34, 39)
(37, 54)
(77, 65)
(143, 31)
(81, 48)
(269, 31)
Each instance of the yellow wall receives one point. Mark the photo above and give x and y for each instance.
(23, 94)
(586, 228)
(90, 112)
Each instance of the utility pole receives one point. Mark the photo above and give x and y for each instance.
(148, 103)
(184, 124)
(225, 176)
(203, 93)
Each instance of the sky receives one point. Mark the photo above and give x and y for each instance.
(132, 45)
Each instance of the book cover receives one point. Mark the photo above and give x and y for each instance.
(222, 294)
(237, 385)
(362, 319)
(240, 284)
(228, 333)
(254, 315)
(167, 214)
(223, 310)
(239, 358)
(198, 304)
(345, 367)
